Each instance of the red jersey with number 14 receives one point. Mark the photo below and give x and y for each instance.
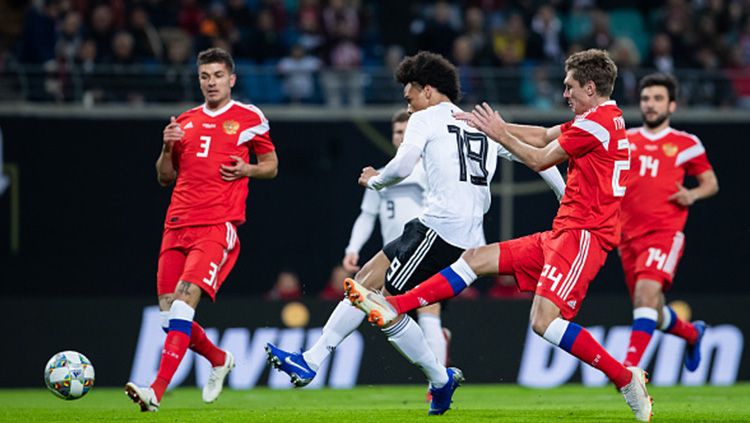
(201, 196)
(597, 144)
(660, 161)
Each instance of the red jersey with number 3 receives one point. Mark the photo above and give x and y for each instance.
(201, 196)
(659, 162)
(597, 144)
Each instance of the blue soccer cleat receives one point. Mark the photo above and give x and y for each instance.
(442, 397)
(292, 364)
(693, 352)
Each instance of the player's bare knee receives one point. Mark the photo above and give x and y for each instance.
(647, 293)
(433, 309)
(482, 260)
(165, 301)
(188, 292)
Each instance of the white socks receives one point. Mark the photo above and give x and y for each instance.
(408, 339)
(433, 333)
(343, 321)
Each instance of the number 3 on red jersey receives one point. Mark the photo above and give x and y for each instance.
(205, 144)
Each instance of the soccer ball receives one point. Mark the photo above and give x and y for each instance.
(69, 375)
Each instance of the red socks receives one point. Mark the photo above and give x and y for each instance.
(200, 343)
(684, 330)
(175, 347)
(591, 352)
(433, 290)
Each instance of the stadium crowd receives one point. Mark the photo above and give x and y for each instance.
(334, 50)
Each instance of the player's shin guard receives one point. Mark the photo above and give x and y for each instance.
(577, 341)
(446, 284)
(408, 339)
(644, 323)
(177, 342)
(344, 320)
(677, 327)
(433, 332)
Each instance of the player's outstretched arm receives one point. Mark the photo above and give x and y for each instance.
(395, 171)
(491, 123)
(165, 170)
(554, 179)
(538, 136)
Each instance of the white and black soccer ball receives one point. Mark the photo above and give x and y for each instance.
(69, 375)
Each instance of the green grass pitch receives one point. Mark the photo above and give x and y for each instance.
(472, 403)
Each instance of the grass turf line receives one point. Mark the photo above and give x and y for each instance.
(503, 403)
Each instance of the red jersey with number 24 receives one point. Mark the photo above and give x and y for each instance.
(201, 196)
(597, 144)
(660, 161)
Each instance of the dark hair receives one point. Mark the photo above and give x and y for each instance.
(400, 116)
(425, 68)
(593, 65)
(662, 80)
(216, 55)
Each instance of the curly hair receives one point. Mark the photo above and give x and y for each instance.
(425, 68)
(216, 55)
(661, 80)
(593, 65)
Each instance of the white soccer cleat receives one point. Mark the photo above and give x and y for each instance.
(144, 397)
(215, 383)
(636, 395)
(379, 312)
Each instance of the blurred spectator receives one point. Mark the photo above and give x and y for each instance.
(627, 58)
(286, 288)
(711, 87)
(540, 92)
(509, 42)
(102, 31)
(298, 70)
(124, 86)
(334, 289)
(176, 76)
(148, 45)
(70, 38)
(190, 16)
(475, 31)
(93, 85)
(549, 29)
(343, 77)
(38, 40)
(264, 43)
(661, 57)
(439, 32)
(600, 37)
(310, 34)
(463, 58)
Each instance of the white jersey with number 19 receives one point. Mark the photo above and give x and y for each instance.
(460, 162)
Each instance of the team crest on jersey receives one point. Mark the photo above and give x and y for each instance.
(669, 149)
(231, 127)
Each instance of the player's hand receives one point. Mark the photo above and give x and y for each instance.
(172, 134)
(367, 173)
(683, 197)
(350, 262)
(489, 121)
(238, 170)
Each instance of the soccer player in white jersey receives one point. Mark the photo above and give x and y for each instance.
(459, 162)
(393, 207)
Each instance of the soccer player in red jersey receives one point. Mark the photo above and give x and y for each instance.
(654, 212)
(559, 264)
(206, 152)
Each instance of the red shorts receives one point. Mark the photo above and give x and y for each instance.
(555, 265)
(201, 255)
(652, 256)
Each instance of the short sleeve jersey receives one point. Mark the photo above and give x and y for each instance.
(659, 162)
(459, 162)
(201, 196)
(397, 204)
(597, 144)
